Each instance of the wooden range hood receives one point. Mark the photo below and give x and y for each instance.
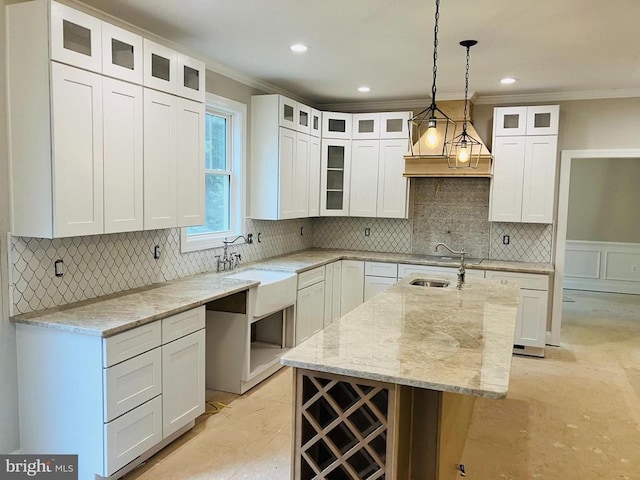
(435, 165)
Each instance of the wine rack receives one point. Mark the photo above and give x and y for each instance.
(343, 427)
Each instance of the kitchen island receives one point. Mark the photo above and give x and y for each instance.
(388, 390)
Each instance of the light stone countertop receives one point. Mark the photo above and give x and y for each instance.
(112, 314)
(107, 315)
(435, 338)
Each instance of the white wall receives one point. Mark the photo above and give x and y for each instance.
(9, 436)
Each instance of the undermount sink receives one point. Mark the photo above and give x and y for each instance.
(427, 282)
(452, 259)
(277, 290)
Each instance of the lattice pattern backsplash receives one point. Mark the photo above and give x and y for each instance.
(103, 264)
(385, 234)
(528, 242)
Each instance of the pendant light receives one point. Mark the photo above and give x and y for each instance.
(432, 130)
(464, 149)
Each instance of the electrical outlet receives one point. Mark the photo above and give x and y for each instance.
(505, 239)
(367, 232)
(249, 238)
(58, 267)
(156, 252)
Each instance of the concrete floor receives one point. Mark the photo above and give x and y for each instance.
(573, 415)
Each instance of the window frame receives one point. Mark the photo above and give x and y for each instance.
(236, 112)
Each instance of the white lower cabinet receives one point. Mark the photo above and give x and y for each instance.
(114, 400)
(378, 277)
(310, 311)
(531, 323)
(352, 291)
(182, 381)
(332, 292)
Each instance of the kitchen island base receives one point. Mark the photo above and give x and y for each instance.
(353, 428)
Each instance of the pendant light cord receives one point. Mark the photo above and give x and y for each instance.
(435, 56)
(466, 93)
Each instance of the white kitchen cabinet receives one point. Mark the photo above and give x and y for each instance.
(366, 126)
(378, 277)
(160, 67)
(131, 384)
(531, 322)
(524, 166)
(310, 311)
(395, 125)
(364, 178)
(123, 156)
(335, 177)
(280, 161)
(77, 151)
(315, 129)
(314, 176)
(332, 292)
(160, 160)
(191, 78)
(190, 143)
(508, 176)
(336, 125)
(352, 291)
(75, 37)
(121, 54)
(303, 124)
(375, 285)
(183, 398)
(539, 175)
(393, 187)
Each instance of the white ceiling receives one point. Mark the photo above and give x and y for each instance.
(577, 47)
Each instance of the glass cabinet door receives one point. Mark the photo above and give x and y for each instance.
(160, 67)
(543, 120)
(316, 123)
(121, 54)
(366, 126)
(288, 113)
(510, 121)
(304, 119)
(336, 125)
(191, 78)
(336, 171)
(75, 38)
(394, 124)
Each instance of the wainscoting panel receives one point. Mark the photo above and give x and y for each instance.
(602, 266)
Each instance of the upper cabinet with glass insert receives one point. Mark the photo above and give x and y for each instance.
(316, 123)
(121, 54)
(394, 124)
(75, 38)
(190, 78)
(366, 126)
(518, 121)
(336, 125)
(160, 67)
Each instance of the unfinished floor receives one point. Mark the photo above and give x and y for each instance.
(573, 415)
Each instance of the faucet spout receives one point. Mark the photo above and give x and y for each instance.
(461, 269)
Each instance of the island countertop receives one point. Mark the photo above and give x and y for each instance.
(444, 339)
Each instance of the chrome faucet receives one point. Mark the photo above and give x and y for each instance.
(461, 270)
(231, 260)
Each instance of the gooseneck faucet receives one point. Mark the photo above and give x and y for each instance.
(233, 260)
(461, 270)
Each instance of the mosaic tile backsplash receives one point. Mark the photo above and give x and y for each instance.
(451, 210)
(103, 264)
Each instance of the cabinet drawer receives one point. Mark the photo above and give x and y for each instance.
(128, 344)
(379, 269)
(307, 279)
(132, 434)
(131, 383)
(447, 272)
(182, 324)
(530, 281)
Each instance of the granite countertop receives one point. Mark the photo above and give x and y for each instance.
(308, 259)
(436, 338)
(111, 314)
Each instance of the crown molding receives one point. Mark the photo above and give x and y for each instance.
(557, 96)
(382, 105)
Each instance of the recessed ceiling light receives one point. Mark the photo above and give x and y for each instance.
(299, 48)
(508, 81)
(364, 89)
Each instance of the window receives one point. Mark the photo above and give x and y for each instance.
(224, 175)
